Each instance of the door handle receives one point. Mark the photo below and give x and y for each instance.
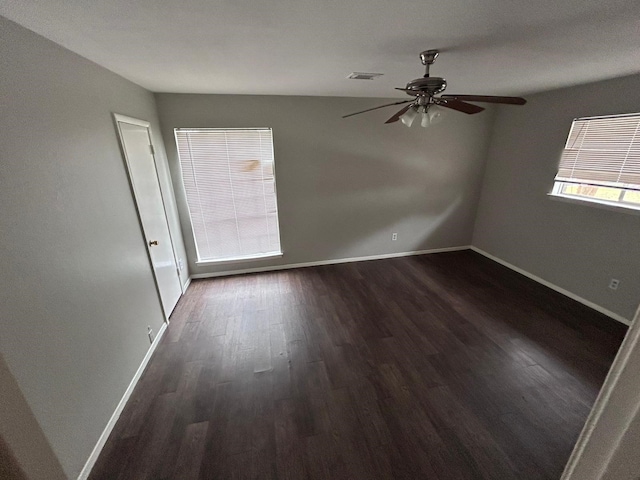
(153, 243)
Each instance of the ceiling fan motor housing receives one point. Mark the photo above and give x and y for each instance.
(426, 85)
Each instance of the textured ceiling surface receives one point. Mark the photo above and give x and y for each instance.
(308, 47)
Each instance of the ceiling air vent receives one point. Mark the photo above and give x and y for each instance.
(364, 76)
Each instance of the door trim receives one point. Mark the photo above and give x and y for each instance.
(118, 118)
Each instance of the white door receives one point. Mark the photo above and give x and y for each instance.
(136, 144)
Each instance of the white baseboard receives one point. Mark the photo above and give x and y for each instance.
(186, 285)
(86, 470)
(558, 289)
(328, 262)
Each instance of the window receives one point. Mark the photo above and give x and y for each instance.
(229, 179)
(601, 161)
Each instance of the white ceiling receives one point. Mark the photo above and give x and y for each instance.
(308, 47)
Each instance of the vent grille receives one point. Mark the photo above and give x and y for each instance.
(363, 76)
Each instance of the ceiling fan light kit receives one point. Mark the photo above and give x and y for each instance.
(429, 115)
(425, 102)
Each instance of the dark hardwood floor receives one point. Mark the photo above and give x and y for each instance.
(442, 366)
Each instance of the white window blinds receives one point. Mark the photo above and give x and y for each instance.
(603, 151)
(229, 180)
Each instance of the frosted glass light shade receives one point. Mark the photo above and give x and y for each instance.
(409, 116)
(435, 114)
(426, 120)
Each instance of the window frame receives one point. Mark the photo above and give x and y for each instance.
(557, 193)
(245, 258)
(597, 203)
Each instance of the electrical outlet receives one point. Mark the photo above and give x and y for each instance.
(394, 236)
(614, 283)
(180, 264)
(150, 333)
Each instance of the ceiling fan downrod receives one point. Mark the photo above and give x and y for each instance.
(428, 57)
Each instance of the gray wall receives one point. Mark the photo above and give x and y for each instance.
(344, 185)
(21, 434)
(625, 462)
(579, 248)
(77, 292)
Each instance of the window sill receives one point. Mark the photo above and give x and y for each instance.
(616, 207)
(239, 259)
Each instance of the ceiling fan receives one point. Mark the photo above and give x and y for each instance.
(424, 101)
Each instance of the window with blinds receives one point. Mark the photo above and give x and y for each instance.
(229, 180)
(601, 161)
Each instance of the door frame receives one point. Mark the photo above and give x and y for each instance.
(117, 119)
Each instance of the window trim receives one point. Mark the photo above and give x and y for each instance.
(246, 258)
(595, 203)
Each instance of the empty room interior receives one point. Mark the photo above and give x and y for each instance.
(314, 240)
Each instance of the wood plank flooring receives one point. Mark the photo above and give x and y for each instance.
(442, 366)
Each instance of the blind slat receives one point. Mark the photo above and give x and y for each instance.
(603, 150)
(228, 177)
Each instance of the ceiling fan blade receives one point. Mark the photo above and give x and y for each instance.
(399, 113)
(488, 99)
(405, 89)
(375, 108)
(458, 105)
